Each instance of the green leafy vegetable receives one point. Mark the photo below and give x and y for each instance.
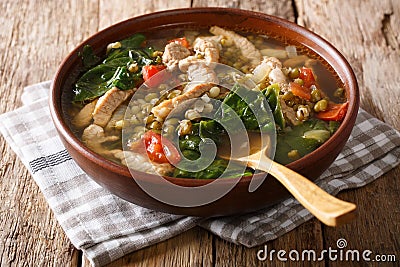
(295, 139)
(319, 135)
(210, 129)
(191, 154)
(215, 170)
(113, 71)
(249, 105)
(190, 142)
(135, 41)
(189, 145)
(272, 95)
(89, 59)
(122, 79)
(333, 126)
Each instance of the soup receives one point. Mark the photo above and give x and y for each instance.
(124, 101)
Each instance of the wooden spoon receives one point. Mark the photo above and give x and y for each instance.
(328, 209)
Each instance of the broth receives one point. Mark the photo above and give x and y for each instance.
(304, 95)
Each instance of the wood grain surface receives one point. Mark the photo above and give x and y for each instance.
(36, 35)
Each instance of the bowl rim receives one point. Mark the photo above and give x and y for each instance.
(64, 130)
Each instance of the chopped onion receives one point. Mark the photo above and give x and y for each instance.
(261, 72)
(291, 51)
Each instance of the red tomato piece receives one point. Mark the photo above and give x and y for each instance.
(334, 112)
(307, 75)
(300, 91)
(182, 41)
(151, 70)
(158, 151)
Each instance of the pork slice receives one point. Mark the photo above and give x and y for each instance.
(209, 48)
(173, 53)
(164, 108)
(201, 72)
(247, 49)
(107, 103)
(84, 116)
(94, 137)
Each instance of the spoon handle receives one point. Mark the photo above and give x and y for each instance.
(327, 208)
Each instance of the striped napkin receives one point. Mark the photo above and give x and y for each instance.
(106, 227)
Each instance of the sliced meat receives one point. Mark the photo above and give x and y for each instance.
(198, 70)
(85, 116)
(139, 162)
(174, 52)
(186, 62)
(201, 72)
(164, 108)
(208, 48)
(94, 137)
(246, 47)
(118, 115)
(215, 39)
(106, 105)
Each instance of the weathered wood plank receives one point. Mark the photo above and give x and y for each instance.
(281, 9)
(192, 248)
(34, 37)
(367, 34)
(307, 236)
(111, 12)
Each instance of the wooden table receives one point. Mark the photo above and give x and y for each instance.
(37, 35)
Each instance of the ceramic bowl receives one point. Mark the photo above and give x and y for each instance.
(118, 180)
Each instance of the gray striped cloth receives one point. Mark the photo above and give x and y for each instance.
(105, 227)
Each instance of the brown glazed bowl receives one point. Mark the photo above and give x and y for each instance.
(118, 180)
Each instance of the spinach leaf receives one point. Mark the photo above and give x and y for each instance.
(133, 42)
(333, 126)
(123, 79)
(113, 71)
(189, 145)
(272, 95)
(191, 154)
(93, 83)
(190, 142)
(249, 105)
(295, 140)
(210, 129)
(89, 59)
(216, 168)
